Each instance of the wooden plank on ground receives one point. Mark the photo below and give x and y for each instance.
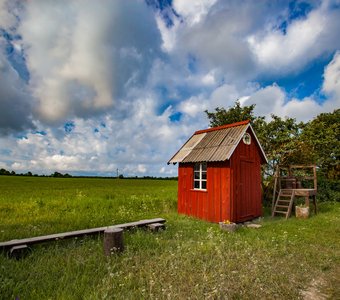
(77, 233)
(156, 226)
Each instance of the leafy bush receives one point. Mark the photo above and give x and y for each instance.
(328, 190)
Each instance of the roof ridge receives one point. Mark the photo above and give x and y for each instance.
(222, 127)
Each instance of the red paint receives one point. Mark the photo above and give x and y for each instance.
(222, 127)
(233, 187)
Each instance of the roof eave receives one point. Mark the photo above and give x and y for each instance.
(264, 159)
(263, 154)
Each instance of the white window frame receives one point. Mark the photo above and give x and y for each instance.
(247, 138)
(200, 176)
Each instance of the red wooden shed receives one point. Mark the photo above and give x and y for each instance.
(219, 174)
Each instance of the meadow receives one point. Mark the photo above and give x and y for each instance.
(191, 259)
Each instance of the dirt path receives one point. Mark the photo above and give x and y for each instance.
(313, 292)
(323, 287)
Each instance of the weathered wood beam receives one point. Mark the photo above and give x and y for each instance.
(77, 233)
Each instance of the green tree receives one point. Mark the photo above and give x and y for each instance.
(234, 114)
(287, 142)
(4, 172)
(278, 137)
(57, 174)
(322, 136)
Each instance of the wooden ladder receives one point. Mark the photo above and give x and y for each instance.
(284, 203)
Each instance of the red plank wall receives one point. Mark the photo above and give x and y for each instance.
(233, 187)
(190, 202)
(218, 189)
(246, 182)
(213, 204)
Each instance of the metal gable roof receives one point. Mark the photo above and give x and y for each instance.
(213, 144)
(187, 148)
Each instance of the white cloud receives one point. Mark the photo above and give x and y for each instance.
(247, 40)
(274, 100)
(268, 100)
(302, 110)
(99, 66)
(5, 17)
(83, 56)
(141, 168)
(15, 102)
(305, 39)
(224, 96)
(193, 11)
(217, 43)
(193, 106)
(169, 35)
(331, 83)
(9, 10)
(137, 145)
(215, 33)
(209, 79)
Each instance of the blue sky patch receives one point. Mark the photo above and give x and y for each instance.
(17, 59)
(297, 10)
(192, 63)
(305, 83)
(41, 132)
(176, 117)
(69, 126)
(166, 10)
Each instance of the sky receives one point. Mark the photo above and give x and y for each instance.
(89, 87)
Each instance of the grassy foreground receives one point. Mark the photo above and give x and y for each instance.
(192, 259)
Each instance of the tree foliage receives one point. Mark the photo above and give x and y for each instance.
(221, 116)
(285, 141)
(322, 135)
(278, 137)
(4, 172)
(280, 140)
(29, 173)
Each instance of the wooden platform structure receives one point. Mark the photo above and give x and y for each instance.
(291, 182)
(24, 243)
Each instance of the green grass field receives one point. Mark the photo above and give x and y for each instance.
(191, 259)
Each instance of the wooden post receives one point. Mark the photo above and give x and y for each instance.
(276, 175)
(315, 178)
(315, 205)
(113, 241)
(18, 252)
(156, 227)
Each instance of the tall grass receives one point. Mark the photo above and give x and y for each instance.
(34, 206)
(191, 259)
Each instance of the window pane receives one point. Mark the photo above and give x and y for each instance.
(247, 139)
(200, 176)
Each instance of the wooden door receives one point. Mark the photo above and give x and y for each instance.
(244, 205)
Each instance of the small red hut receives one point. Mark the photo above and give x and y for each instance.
(219, 174)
